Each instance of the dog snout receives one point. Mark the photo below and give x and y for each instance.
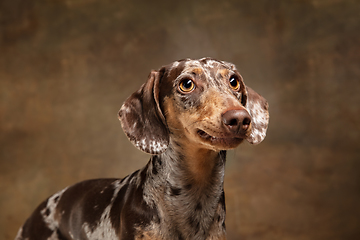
(237, 121)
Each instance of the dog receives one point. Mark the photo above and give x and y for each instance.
(186, 115)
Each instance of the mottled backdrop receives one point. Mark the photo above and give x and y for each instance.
(66, 66)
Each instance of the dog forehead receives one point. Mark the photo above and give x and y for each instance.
(208, 66)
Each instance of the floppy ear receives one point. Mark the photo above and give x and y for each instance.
(258, 109)
(142, 120)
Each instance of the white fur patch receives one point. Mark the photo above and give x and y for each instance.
(151, 146)
(48, 213)
(18, 235)
(104, 229)
(260, 119)
(210, 63)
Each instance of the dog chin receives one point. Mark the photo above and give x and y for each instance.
(220, 143)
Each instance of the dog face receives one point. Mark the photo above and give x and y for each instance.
(199, 102)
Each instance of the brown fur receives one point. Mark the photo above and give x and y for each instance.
(179, 194)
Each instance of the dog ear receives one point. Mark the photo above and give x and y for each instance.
(142, 119)
(258, 109)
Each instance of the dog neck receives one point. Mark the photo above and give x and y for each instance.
(190, 198)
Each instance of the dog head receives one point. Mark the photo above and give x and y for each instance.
(201, 102)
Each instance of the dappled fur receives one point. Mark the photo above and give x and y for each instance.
(187, 114)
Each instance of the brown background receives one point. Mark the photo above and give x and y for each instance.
(66, 66)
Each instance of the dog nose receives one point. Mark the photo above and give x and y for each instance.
(237, 121)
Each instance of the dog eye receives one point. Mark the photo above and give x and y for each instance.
(187, 85)
(234, 83)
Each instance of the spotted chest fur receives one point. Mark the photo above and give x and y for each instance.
(187, 211)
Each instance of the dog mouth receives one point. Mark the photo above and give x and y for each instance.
(206, 136)
(228, 142)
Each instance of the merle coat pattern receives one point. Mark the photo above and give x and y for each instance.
(187, 114)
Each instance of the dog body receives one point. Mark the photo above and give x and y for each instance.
(186, 115)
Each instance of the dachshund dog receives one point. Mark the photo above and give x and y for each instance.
(187, 114)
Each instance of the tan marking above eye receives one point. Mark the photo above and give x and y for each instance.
(234, 83)
(197, 71)
(187, 85)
